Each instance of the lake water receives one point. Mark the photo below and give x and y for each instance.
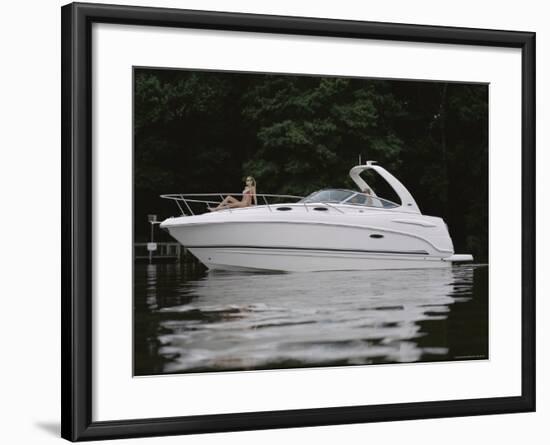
(190, 320)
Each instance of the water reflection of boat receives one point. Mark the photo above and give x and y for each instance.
(221, 322)
(331, 229)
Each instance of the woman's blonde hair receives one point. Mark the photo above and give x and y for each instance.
(252, 179)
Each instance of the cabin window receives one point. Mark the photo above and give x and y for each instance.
(376, 236)
(284, 209)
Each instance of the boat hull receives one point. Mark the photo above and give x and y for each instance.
(256, 240)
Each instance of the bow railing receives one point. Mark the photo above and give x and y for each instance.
(189, 200)
(209, 201)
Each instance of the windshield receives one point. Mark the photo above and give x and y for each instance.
(329, 195)
(349, 197)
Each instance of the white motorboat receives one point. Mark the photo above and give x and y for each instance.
(331, 229)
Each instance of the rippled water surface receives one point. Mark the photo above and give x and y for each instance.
(190, 320)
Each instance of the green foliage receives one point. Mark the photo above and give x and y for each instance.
(205, 131)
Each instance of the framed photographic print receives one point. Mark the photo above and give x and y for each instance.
(281, 221)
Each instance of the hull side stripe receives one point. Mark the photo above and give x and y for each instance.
(394, 252)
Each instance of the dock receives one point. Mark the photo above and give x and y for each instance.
(164, 252)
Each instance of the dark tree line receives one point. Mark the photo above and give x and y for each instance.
(203, 132)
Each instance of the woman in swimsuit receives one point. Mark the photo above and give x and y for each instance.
(249, 197)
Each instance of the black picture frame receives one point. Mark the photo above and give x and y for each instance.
(76, 418)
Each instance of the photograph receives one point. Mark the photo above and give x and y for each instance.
(278, 220)
(291, 220)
